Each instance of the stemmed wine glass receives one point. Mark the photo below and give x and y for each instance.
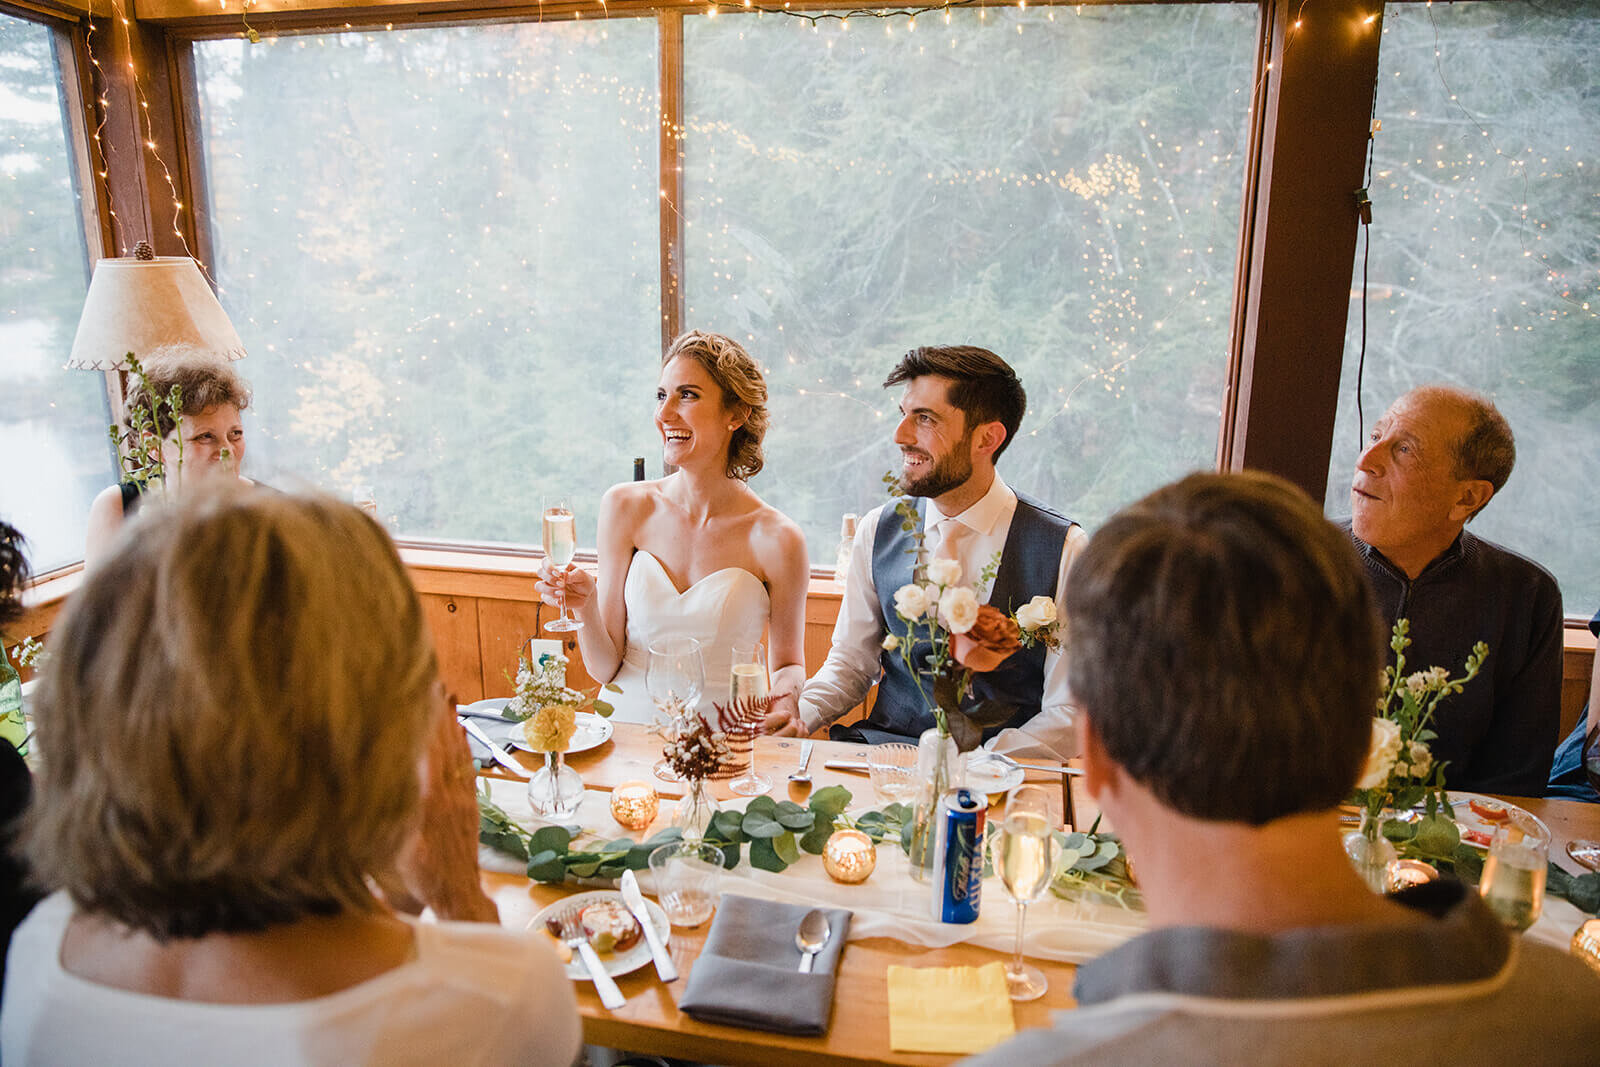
(748, 682)
(1026, 858)
(560, 542)
(675, 672)
(1512, 882)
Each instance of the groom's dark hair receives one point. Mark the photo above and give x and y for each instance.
(984, 387)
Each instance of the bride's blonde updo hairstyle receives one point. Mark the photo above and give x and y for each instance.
(743, 387)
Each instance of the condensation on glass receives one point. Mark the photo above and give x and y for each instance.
(1484, 266)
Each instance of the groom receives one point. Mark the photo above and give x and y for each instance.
(960, 409)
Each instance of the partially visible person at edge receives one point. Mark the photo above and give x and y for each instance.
(959, 411)
(1568, 778)
(1198, 615)
(231, 755)
(1436, 459)
(16, 785)
(208, 445)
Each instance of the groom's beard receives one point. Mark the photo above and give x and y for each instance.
(950, 472)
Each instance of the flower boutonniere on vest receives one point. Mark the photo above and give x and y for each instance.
(946, 636)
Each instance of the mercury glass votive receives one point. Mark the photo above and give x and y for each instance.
(849, 856)
(634, 804)
(1586, 944)
(1403, 874)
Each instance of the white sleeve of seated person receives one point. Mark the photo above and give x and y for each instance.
(852, 665)
(1051, 734)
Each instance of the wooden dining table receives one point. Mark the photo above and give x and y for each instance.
(650, 1020)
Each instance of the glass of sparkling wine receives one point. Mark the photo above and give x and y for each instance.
(748, 682)
(1025, 855)
(560, 542)
(1513, 878)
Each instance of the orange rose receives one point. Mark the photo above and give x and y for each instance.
(989, 642)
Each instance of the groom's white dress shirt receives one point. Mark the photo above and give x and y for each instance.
(852, 664)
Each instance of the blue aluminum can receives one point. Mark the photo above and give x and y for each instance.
(958, 856)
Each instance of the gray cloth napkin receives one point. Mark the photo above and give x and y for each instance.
(490, 721)
(749, 972)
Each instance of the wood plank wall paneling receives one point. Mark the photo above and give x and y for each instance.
(453, 622)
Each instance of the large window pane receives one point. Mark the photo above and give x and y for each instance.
(1485, 261)
(440, 247)
(52, 421)
(1060, 186)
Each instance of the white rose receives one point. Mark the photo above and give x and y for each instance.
(958, 609)
(891, 643)
(1036, 613)
(944, 572)
(1381, 755)
(910, 601)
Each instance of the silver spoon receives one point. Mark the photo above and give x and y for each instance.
(1585, 854)
(800, 777)
(811, 937)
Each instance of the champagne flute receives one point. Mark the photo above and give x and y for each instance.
(748, 682)
(1026, 861)
(560, 542)
(675, 672)
(1514, 872)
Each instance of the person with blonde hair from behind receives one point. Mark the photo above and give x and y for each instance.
(202, 443)
(241, 729)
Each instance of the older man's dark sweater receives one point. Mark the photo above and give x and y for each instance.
(1500, 733)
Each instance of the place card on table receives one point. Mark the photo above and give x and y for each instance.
(949, 1009)
(748, 974)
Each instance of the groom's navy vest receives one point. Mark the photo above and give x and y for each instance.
(1029, 567)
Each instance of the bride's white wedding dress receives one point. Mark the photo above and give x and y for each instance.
(725, 608)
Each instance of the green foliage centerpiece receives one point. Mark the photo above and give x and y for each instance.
(1401, 773)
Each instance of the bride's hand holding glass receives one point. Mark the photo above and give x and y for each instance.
(577, 583)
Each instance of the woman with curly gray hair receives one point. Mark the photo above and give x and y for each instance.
(696, 553)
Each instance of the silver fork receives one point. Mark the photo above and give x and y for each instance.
(572, 933)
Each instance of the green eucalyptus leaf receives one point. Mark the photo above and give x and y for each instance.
(1584, 892)
(547, 866)
(759, 825)
(830, 801)
(816, 839)
(583, 870)
(556, 838)
(725, 825)
(764, 805)
(730, 855)
(764, 855)
(786, 847)
(1437, 836)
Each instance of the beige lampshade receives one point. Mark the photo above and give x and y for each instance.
(140, 305)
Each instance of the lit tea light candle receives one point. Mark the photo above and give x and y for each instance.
(849, 856)
(1586, 944)
(1403, 874)
(634, 804)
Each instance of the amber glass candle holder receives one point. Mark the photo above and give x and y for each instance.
(634, 804)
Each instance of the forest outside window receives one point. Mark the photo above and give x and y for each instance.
(52, 422)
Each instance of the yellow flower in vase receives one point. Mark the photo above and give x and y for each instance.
(550, 729)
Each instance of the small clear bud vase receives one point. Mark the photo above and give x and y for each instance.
(939, 770)
(1369, 851)
(695, 811)
(555, 790)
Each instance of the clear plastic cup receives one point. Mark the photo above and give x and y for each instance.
(894, 773)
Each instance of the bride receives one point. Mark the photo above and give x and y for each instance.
(696, 553)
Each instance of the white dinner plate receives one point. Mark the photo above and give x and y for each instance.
(615, 963)
(989, 775)
(591, 731)
(1469, 820)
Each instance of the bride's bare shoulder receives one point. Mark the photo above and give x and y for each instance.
(779, 531)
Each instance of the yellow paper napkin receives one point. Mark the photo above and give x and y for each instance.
(948, 1009)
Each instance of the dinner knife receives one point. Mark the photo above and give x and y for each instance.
(864, 767)
(501, 756)
(658, 952)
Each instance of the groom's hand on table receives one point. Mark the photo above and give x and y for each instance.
(784, 718)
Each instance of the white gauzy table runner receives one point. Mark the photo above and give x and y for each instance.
(888, 904)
